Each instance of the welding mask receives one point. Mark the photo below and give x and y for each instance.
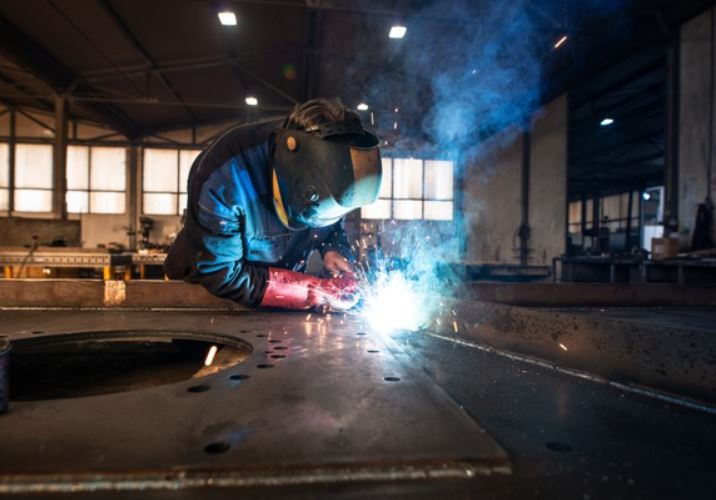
(321, 174)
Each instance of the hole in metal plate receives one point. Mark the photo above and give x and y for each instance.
(107, 362)
(264, 365)
(391, 379)
(198, 388)
(217, 448)
(240, 376)
(278, 356)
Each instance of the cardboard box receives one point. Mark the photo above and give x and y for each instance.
(664, 248)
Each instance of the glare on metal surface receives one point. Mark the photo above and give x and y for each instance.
(210, 356)
(252, 101)
(227, 18)
(362, 107)
(397, 31)
(606, 122)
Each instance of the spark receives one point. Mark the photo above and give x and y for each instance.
(308, 317)
(454, 326)
(564, 347)
(210, 355)
(560, 42)
(394, 303)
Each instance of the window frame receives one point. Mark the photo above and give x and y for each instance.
(14, 184)
(89, 189)
(423, 198)
(178, 192)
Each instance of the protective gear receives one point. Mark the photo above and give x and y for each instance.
(321, 174)
(291, 290)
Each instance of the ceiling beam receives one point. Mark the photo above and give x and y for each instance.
(134, 41)
(27, 54)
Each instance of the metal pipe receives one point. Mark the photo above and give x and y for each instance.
(524, 230)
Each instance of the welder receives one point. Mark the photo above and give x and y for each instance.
(265, 195)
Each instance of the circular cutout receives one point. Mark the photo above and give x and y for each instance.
(274, 341)
(264, 365)
(240, 376)
(361, 334)
(373, 351)
(261, 335)
(37, 332)
(559, 446)
(278, 356)
(71, 365)
(217, 448)
(280, 348)
(244, 331)
(198, 388)
(391, 379)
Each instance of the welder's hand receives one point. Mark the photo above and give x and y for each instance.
(292, 290)
(338, 294)
(336, 264)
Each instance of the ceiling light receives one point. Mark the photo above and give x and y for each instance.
(252, 101)
(227, 18)
(397, 32)
(560, 42)
(606, 122)
(362, 107)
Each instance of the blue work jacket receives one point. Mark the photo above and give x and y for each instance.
(232, 233)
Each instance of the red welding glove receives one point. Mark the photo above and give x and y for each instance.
(292, 290)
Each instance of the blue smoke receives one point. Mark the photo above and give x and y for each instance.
(485, 64)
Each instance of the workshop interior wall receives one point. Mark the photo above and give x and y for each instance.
(697, 57)
(491, 203)
(104, 229)
(492, 198)
(548, 183)
(19, 232)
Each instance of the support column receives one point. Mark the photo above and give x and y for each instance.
(11, 160)
(671, 157)
(133, 193)
(524, 230)
(59, 159)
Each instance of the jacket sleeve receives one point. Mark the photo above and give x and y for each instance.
(337, 240)
(219, 264)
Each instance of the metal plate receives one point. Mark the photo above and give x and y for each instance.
(329, 411)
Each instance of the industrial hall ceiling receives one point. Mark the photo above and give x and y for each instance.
(146, 66)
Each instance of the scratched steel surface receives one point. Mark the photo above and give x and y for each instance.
(329, 411)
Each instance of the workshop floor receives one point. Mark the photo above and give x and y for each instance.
(475, 423)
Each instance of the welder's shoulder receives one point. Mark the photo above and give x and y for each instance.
(246, 143)
(231, 173)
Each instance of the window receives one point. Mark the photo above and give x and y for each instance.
(575, 217)
(4, 176)
(96, 180)
(614, 211)
(414, 189)
(165, 180)
(33, 178)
